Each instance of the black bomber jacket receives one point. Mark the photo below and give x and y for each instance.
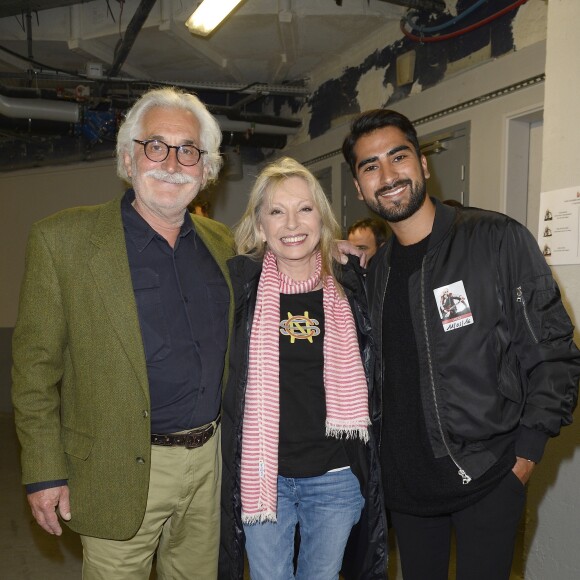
(498, 364)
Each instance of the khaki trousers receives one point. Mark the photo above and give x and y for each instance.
(181, 522)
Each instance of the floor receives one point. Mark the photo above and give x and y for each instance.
(26, 551)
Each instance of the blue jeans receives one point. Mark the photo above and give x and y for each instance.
(326, 508)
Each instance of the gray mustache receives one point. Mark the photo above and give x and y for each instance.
(161, 175)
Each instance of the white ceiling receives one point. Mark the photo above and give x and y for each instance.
(264, 41)
(95, 57)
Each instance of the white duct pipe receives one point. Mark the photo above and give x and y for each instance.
(39, 109)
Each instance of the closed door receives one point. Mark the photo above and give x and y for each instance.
(447, 154)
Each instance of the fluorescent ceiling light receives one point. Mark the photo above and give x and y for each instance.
(209, 14)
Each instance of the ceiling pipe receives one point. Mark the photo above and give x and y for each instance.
(12, 8)
(141, 85)
(39, 109)
(28, 92)
(30, 129)
(47, 110)
(29, 33)
(131, 33)
(432, 5)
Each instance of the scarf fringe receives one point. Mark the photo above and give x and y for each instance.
(261, 518)
(349, 431)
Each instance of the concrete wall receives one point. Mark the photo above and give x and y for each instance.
(25, 197)
(553, 529)
(29, 195)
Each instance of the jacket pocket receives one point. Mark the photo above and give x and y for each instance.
(541, 309)
(76, 443)
(509, 383)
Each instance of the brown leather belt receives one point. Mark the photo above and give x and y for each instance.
(190, 440)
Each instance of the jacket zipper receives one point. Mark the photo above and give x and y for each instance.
(461, 472)
(520, 298)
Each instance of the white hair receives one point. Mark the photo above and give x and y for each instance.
(170, 98)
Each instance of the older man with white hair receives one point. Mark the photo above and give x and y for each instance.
(119, 354)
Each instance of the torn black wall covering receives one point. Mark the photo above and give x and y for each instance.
(338, 96)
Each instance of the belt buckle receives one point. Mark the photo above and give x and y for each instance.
(195, 440)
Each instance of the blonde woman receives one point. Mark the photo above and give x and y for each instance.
(297, 447)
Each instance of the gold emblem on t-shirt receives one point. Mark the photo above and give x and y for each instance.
(300, 327)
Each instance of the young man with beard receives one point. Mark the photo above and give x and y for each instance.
(467, 403)
(119, 356)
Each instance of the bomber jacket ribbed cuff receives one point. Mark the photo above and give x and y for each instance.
(530, 443)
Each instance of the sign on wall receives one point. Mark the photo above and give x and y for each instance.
(559, 227)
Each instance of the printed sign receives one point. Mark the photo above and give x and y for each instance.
(558, 230)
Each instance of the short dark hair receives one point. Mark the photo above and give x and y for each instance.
(378, 227)
(370, 121)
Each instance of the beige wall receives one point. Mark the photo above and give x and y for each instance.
(553, 531)
(29, 195)
(25, 197)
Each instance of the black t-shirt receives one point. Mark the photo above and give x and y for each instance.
(304, 450)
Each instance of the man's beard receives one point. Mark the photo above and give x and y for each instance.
(399, 210)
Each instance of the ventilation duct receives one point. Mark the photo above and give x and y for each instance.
(42, 109)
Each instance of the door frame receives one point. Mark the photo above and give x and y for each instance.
(517, 161)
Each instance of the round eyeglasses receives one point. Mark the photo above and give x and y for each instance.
(158, 151)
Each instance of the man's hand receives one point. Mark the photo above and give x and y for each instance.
(523, 469)
(343, 247)
(44, 504)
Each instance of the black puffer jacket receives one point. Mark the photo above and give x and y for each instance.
(509, 377)
(366, 553)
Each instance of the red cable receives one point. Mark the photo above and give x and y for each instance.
(469, 28)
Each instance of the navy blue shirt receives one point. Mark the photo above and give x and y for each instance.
(182, 301)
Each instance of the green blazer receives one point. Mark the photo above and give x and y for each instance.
(80, 388)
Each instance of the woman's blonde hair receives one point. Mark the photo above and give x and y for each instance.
(247, 233)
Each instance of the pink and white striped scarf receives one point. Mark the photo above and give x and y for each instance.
(344, 383)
